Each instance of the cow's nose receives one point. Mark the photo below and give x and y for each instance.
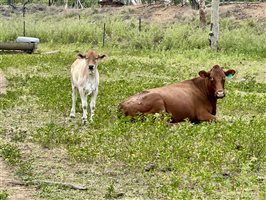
(220, 94)
(91, 67)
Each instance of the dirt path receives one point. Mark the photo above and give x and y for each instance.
(7, 179)
(15, 192)
(3, 83)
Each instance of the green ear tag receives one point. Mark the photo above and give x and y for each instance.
(229, 76)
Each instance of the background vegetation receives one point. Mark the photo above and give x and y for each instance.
(116, 158)
(89, 3)
(245, 37)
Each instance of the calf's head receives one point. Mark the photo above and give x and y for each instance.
(216, 78)
(92, 59)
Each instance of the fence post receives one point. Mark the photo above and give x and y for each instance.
(24, 23)
(103, 34)
(24, 29)
(139, 24)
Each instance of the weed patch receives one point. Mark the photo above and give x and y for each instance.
(3, 195)
(53, 93)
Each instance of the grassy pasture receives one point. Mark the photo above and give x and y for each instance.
(142, 160)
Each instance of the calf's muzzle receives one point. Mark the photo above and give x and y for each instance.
(91, 67)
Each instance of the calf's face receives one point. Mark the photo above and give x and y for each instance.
(216, 78)
(92, 59)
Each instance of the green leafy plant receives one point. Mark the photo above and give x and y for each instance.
(3, 195)
(10, 153)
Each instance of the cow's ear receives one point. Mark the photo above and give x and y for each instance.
(80, 56)
(230, 73)
(204, 74)
(101, 56)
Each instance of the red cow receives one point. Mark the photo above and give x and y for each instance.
(193, 99)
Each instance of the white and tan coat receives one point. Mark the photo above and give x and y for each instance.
(85, 79)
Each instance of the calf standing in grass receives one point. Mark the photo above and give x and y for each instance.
(85, 79)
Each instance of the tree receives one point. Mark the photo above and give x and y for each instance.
(195, 4)
(202, 13)
(214, 34)
(66, 3)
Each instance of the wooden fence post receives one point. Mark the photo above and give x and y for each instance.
(139, 24)
(24, 23)
(103, 34)
(24, 28)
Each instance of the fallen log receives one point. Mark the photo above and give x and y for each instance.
(12, 46)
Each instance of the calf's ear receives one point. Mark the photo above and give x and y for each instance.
(230, 73)
(80, 56)
(204, 74)
(101, 56)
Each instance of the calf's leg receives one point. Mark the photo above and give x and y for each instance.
(84, 104)
(74, 99)
(93, 103)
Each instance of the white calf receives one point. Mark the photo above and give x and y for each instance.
(85, 79)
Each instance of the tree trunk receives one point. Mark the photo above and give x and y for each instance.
(202, 13)
(79, 4)
(214, 34)
(66, 3)
(194, 4)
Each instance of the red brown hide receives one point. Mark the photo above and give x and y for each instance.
(193, 99)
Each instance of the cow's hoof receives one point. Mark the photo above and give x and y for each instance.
(72, 116)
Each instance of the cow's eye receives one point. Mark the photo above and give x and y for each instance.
(211, 79)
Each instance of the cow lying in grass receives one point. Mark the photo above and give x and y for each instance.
(193, 99)
(85, 79)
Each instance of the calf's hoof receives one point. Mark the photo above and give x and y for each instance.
(84, 121)
(72, 116)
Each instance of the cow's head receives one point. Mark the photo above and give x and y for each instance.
(216, 78)
(92, 60)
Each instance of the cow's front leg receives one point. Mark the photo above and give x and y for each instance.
(74, 99)
(93, 103)
(206, 116)
(84, 104)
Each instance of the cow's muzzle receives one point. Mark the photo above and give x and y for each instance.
(219, 94)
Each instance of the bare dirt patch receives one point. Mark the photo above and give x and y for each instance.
(157, 13)
(244, 11)
(7, 180)
(3, 84)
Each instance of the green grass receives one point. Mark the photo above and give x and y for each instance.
(10, 153)
(3, 195)
(144, 159)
